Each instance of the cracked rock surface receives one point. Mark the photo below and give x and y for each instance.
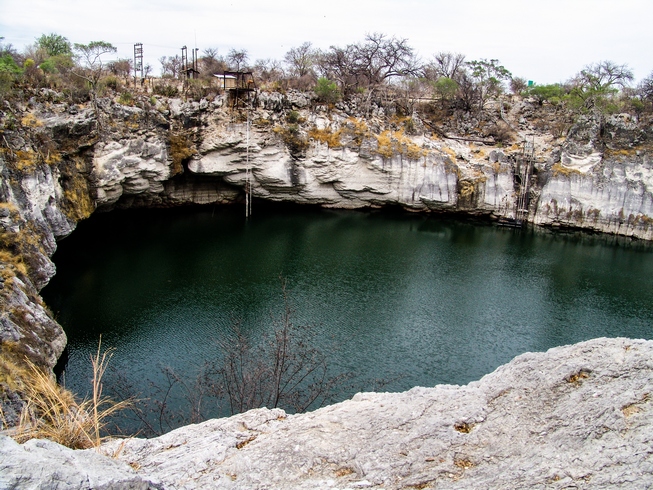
(574, 417)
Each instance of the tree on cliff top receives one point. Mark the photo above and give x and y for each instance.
(89, 56)
(370, 63)
(594, 86)
(92, 68)
(54, 44)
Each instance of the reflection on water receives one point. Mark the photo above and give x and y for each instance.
(415, 299)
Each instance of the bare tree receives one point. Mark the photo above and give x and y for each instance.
(268, 70)
(595, 84)
(301, 59)
(380, 58)
(645, 88)
(284, 370)
(603, 76)
(370, 63)
(445, 65)
(211, 63)
(237, 59)
(91, 67)
(170, 66)
(121, 68)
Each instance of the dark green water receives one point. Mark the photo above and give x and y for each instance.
(412, 299)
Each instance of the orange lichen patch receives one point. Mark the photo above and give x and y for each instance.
(326, 136)
(245, 442)
(463, 462)
(450, 152)
(466, 188)
(391, 143)
(25, 159)
(463, 427)
(577, 377)
(630, 410)
(633, 408)
(358, 130)
(560, 169)
(420, 486)
(31, 121)
(344, 471)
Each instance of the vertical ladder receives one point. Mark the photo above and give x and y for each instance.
(525, 171)
(248, 172)
(138, 62)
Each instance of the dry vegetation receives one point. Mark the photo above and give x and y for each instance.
(52, 412)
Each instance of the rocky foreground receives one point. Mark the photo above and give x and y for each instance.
(574, 417)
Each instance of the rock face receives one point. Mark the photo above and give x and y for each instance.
(45, 464)
(574, 417)
(60, 162)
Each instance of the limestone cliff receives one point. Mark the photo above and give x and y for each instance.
(59, 162)
(573, 417)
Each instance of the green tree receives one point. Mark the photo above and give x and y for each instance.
(553, 93)
(54, 44)
(327, 91)
(92, 68)
(594, 87)
(89, 57)
(488, 77)
(8, 65)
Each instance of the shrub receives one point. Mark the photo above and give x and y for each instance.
(111, 82)
(552, 93)
(166, 90)
(327, 91)
(126, 98)
(293, 117)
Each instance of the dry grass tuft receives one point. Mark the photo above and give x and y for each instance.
(51, 412)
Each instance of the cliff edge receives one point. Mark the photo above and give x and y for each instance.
(574, 417)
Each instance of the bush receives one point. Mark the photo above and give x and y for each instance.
(551, 93)
(166, 90)
(293, 117)
(327, 91)
(126, 98)
(111, 82)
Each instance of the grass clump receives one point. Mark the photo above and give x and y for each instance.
(52, 412)
(392, 143)
(326, 136)
(559, 169)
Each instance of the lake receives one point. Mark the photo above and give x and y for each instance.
(406, 299)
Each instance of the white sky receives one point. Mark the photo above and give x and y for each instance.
(542, 40)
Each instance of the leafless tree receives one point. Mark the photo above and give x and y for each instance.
(211, 63)
(268, 70)
(285, 369)
(603, 76)
(445, 65)
(237, 59)
(121, 68)
(645, 88)
(368, 64)
(596, 84)
(170, 66)
(301, 59)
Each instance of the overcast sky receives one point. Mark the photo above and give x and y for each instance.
(542, 40)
